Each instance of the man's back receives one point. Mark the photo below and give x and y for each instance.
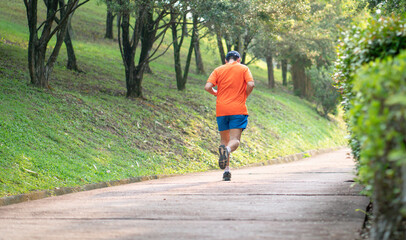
(231, 79)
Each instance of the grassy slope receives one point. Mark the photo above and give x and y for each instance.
(85, 130)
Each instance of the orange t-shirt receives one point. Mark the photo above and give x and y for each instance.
(231, 81)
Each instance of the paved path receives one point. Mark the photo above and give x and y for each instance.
(307, 199)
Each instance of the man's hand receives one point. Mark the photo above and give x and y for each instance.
(209, 88)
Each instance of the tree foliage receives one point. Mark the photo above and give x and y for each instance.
(325, 95)
(301, 32)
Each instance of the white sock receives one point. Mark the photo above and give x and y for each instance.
(228, 149)
(227, 169)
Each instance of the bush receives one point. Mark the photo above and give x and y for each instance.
(325, 95)
(382, 37)
(378, 119)
(374, 100)
(387, 6)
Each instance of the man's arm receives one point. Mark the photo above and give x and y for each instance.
(209, 88)
(250, 87)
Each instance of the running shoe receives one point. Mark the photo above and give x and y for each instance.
(227, 176)
(223, 157)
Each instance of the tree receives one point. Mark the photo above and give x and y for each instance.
(308, 41)
(39, 67)
(223, 19)
(274, 18)
(198, 55)
(264, 48)
(284, 66)
(72, 62)
(149, 27)
(178, 18)
(242, 27)
(325, 94)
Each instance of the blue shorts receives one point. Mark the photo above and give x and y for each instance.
(232, 122)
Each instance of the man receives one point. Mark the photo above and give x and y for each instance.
(234, 84)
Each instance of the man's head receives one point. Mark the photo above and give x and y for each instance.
(234, 55)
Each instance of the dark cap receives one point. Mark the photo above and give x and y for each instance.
(232, 54)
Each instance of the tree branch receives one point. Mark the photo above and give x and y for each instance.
(68, 13)
(156, 49)
(119, 37)
(150, 60)
(251, 61)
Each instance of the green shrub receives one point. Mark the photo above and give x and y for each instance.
(380, 38)
(325, 95)
(378, 119)
(374, 100)
(386, 6)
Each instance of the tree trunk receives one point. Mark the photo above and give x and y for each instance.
(229, 47)
(188, 59)
(147, 40)
(40, 78)
(198, 58)
(136, 88)
(299, 79)
(147, 68)
(109, 22)
(33, 39)
(247, 41)
(181, 79)
(237, 44)
(284, 65)
(176, 56)
(127, 50)
(184, 27)
(220, 47)
(198, 55)
(72, 63)
(271, 78)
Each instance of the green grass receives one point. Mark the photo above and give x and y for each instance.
(86, 131)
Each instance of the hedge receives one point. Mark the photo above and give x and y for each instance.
(378, 119)
(382, 37)
(374, 99)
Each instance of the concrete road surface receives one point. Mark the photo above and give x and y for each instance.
(307, 199)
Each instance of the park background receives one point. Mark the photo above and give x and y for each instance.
(93, 122)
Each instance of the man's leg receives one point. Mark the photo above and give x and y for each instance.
(224, 154)
(224, 137)
(234, 138)
(230, 139)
